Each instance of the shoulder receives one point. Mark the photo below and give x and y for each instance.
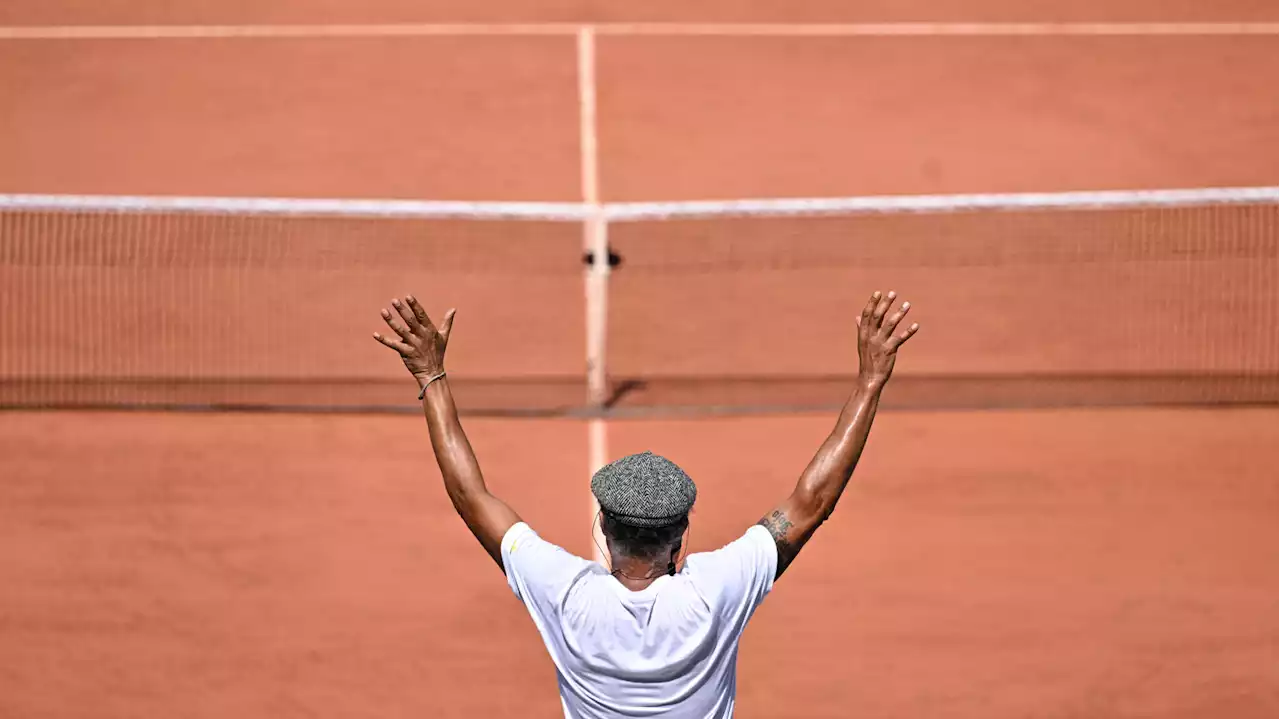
(754, 545)
(522, 546)
(537, 569)
(519, 534)
(743, 568)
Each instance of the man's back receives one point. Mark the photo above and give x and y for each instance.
(669, 649)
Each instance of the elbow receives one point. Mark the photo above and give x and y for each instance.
(814, 503)
(461, 498)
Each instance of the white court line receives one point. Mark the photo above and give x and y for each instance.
(162, 32)
(933, 29)
(420, 209)
(596, 212)
(894, 204)
(595, 241)
(587, 141)
(881, 29)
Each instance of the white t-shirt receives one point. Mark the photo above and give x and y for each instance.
(670, 649)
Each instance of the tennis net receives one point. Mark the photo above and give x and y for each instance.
(1025, 300)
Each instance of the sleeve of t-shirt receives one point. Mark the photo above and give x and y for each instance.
(538, 571)
(741, 571)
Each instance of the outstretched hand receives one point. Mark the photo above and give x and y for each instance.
(878, 340)
(421, 345)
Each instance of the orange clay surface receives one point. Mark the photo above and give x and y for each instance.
(1001, 564)
(982, 564)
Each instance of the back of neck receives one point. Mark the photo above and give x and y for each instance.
(636, 574)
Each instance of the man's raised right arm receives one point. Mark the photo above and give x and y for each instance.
(795, 520)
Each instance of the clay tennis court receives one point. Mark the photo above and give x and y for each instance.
(1038, 561)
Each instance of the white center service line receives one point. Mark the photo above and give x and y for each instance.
(596, 243)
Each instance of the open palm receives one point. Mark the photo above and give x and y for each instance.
(878, 339)
(421, 345)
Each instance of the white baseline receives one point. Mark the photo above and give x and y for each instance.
(872, 29)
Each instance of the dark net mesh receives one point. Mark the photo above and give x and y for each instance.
(1173, 305)
(276, 312)
(1041, 307)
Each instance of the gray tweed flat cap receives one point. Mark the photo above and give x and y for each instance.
(644, 490)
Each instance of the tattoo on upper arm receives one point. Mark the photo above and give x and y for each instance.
(779, 525)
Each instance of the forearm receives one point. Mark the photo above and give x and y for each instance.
(795, 520)
(421, 347)
(824, 480)
(457, 460)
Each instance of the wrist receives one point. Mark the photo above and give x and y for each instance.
(425, 381)
(424, 376)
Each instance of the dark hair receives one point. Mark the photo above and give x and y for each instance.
(642, 542)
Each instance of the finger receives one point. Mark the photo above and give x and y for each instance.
(447, 325)
(406, 314)
(891, 322)
(877, 315)
(394, 323)
(896, 341)
(419, 313)
(864, 319)
(400, 347)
